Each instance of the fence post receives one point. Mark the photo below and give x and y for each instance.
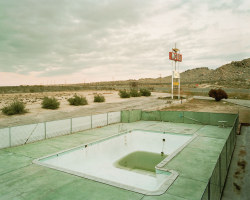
(208, 191)
(91, 120)
(70, 125)
(129, 116)
(10, 136)
(226, 154)
(45, 131)
(107, 118)
(220, 174)
(121, 116)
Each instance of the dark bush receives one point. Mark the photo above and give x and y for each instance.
(218, 94)
(50, 103)
(145, 92)
(124, 94)
(77, 100)
(16, 107)
(135, 93)
(212, 93)
(99, 98)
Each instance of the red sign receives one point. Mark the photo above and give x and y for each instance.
(175, 56)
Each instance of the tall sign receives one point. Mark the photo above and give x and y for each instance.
(175, 56)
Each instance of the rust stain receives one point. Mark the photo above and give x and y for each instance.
(242, 153)
(236, 174)
(242, 164)
(237, 187)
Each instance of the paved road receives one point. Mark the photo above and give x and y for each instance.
(240, 102)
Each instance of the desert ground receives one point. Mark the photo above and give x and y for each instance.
(113, 103)
(37, 114)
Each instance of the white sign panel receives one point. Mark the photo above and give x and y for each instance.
(176, 74)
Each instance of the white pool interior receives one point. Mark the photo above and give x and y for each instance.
(97, 160)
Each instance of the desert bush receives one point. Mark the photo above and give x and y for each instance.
(145, 92)
(50, 103)
(212, 93)
(218, 94)
(16, 107)
(135, 93)
(99, 98)
(77, 100)
(124, 94)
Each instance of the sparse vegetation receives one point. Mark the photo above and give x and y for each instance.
(218, 94)
(16, 107)
(124, 94)
(135, 93)
(145, 92)
(99, 98)
(50, 103)
(133, 84)
(77, 100)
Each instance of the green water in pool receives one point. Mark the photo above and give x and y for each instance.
(140, 160)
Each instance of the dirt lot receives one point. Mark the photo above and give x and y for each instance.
(37, 114)
(113, 103)
(198, 105)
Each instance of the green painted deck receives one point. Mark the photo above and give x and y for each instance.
(21, 179)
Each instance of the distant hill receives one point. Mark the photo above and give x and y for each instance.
(234, 73)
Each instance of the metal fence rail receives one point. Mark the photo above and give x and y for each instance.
(19, 135)
(214, 189)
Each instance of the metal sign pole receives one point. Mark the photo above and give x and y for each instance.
(179, 88)
(176, 57)
(172, 85)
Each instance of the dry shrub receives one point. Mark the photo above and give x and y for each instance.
(77, 100)
(50, 103)
(16, 107)
(218, 94)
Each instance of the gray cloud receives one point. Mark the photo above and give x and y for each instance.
(119, 37)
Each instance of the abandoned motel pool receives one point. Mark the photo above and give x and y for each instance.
(132, 160)
(141, 151)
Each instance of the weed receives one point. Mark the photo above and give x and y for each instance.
(134, 93)
(99, 98)
(16, 107)
(145, 92)
(124, 94)
(77, 100)
(50, 103)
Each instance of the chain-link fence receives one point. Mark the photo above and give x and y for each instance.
(18, 135)
(216, 182)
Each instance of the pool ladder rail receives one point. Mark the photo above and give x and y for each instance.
(121, 128)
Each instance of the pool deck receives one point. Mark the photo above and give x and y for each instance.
(21, 179)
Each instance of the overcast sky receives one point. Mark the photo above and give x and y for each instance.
(76, 41)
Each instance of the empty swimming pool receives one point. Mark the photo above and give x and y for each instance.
(132, 160)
